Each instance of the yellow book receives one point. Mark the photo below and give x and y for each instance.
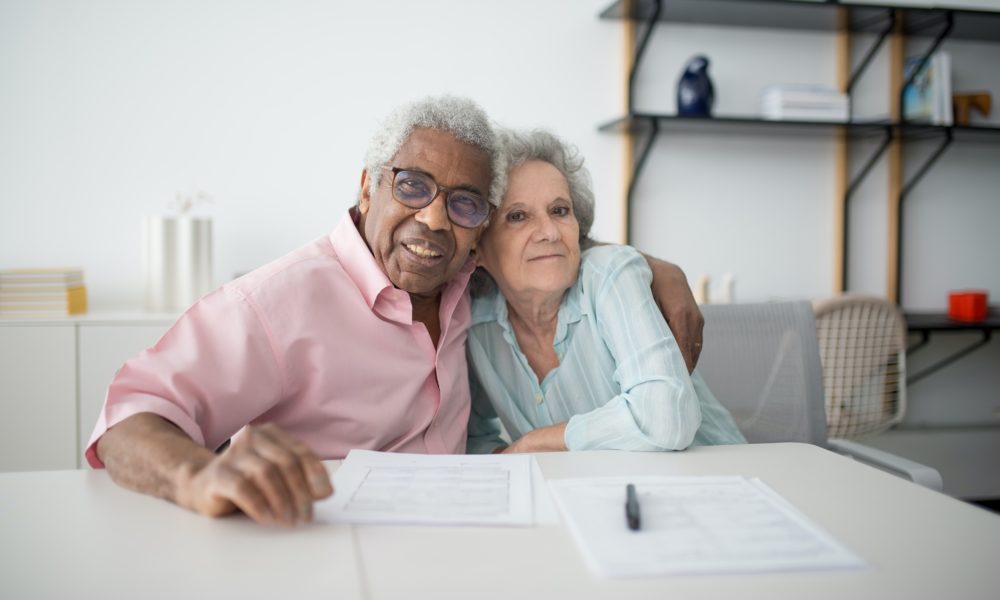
(73, 301)
(66, 277)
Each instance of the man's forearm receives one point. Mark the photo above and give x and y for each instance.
(150, 455)
(673, 296)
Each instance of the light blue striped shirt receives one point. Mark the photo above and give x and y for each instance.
(621, 380)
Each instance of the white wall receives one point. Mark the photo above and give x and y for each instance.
(110, 107)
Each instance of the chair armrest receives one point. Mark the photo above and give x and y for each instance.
(897, 465)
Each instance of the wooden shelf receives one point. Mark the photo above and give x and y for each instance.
(641, 122)
(918, 322)
(811, 15)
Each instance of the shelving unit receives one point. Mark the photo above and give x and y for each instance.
(927, 324)
(888, 24)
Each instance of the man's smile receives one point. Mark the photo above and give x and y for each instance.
(421, 251)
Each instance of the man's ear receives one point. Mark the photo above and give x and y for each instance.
(474, 251)
(365, 199)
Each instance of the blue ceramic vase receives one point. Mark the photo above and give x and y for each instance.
(695, 94)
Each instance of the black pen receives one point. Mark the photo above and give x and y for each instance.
(631, 508)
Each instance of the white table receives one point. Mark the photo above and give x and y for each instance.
(74, 534)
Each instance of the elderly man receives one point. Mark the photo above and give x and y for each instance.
(353, 341)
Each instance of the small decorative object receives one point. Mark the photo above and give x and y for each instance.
(967, 305)
(700, 290)
(695, 94)
(726, 292)
(177, 256)
(963, 103)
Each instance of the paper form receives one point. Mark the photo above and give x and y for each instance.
(393, 488)
(693, 525)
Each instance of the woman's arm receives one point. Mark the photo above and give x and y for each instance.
(677, 305)
(543, 439)
(657, 408)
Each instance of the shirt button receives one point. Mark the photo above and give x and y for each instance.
(538, 398)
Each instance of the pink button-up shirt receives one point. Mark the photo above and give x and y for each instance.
(319, 343)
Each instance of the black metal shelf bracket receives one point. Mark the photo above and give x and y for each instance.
(867, 167)
(949, 137)
(907, 189)
(848, 194)
(639, 52)
(646, 146)
(867, 59)
(944, 362)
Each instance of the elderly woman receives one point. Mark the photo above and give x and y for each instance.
(567, 346)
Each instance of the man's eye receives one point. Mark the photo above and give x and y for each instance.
(412, 187)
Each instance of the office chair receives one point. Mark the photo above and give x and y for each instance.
(862, 346)
(762, 362)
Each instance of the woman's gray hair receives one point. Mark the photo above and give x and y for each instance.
(518, 147)
(461, 117)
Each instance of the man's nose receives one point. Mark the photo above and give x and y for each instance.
(435, 215)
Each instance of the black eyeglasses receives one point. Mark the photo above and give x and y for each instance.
(417, 190)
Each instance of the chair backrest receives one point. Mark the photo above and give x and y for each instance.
(762, 362)
(862, 346)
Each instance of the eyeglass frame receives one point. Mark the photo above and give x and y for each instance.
(441, 189)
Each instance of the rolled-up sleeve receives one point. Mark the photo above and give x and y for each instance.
(214, 371)
(657, 408)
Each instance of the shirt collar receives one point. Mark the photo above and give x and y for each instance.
(375, 286)
(492, 306)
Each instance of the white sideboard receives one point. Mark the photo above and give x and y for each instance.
(53, 377)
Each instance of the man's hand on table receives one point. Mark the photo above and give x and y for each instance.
(266, 473)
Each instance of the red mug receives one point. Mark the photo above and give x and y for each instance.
(967, 305)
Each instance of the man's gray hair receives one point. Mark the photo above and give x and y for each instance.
(461, 117)
(518, 147)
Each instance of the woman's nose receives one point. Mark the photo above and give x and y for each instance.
(546, 230)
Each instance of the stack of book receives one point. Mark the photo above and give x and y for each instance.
(928, 98)
(804, 103)
(34, 293)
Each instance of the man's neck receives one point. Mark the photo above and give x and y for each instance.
(426, 309)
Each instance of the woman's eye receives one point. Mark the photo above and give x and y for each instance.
(561, 211)
(515, 216)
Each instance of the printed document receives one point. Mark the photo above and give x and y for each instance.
(388, 487)
(693, 525)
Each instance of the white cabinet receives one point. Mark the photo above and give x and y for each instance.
(102, 348)
(37, 397)
(53, 378)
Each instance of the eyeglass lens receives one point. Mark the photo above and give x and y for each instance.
(417, 190)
